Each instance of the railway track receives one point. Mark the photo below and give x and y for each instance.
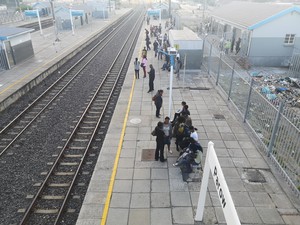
(52, 196)
(35, 25)
(11, 132)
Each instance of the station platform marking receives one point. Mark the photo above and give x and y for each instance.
(115, 167)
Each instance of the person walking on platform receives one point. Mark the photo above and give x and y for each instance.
(151, 78)
(159, 133)
(148, 42)
(158, 102)
(137, 68)
(144, 65)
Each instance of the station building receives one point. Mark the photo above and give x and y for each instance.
(44, 8)
(64, 15)
(189, 46)
(270, 33)
(15, 46)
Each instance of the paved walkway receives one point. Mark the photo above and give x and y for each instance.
(126, 190)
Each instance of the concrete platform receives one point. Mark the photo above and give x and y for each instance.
(126, 190)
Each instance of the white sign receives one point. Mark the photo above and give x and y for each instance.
(212, 164)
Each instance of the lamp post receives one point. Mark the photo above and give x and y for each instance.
(72, 24)
(172, 52)
(39, 19)
(54, 21)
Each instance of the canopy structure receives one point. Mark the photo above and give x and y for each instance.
(77, 12)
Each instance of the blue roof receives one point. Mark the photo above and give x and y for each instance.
(41, 5)
(9, 32)
(251, 15)
(274, 17)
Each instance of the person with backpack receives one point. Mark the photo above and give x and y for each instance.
(158, 102)
(180, 131)
(137, 68)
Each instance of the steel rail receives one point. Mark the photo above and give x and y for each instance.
(35, 25)
(60, 156)
(108, 37)
(90, 142)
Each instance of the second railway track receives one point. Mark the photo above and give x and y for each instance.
(45, 23)
(67, 136)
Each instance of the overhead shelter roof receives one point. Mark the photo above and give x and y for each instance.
(165, 5)
(10, 32)
(40, 5)
(252, 15)
(185, 34)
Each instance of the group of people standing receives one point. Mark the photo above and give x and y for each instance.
(187, 141)
(181, 128)
(163, 133)
(142, 64)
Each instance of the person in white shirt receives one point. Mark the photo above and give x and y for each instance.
(137, 68)
(194, 134)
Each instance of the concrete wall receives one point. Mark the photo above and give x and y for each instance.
(193, 58)
(271, 51)
(287, 24)
(21, 47)
(267, 44)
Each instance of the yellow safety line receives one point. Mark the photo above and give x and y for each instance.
(114, 171)
(18, 81)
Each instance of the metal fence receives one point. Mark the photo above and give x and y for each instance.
(10, 17)
(275, 124)
(294, 64)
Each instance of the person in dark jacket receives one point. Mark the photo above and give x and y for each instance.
(159, 133)
(151, 78)
(158, 102)
(155, 47)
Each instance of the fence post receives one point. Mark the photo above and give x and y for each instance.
(248, 101)
(219, 68)
(231, 80)
(275, 129)
(184, 64)
(209, 59)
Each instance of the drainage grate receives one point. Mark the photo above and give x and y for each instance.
(219, 116)
(254, 176)
(148, 154)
